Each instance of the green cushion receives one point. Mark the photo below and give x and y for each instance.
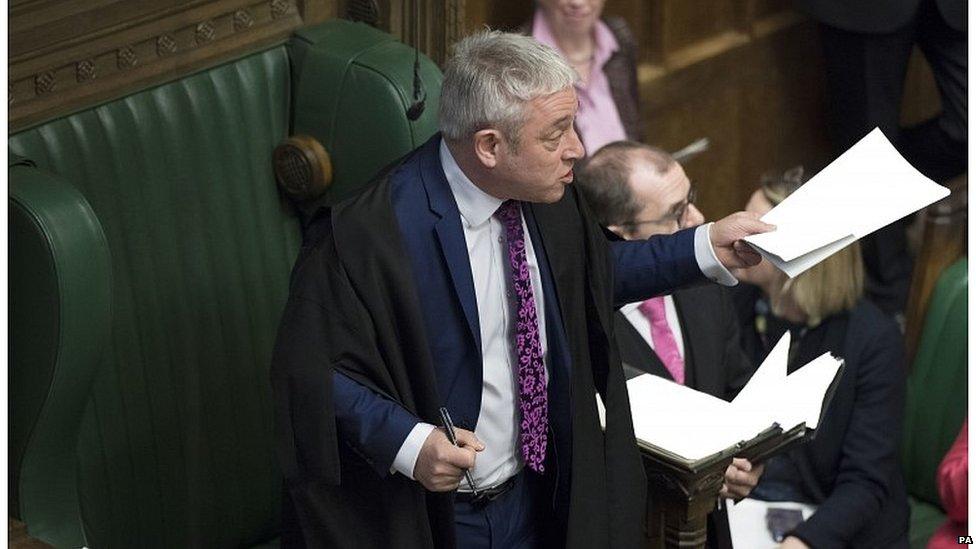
(353, 85)
(925, 519)
(175, 448)
(60, 317)
(937, 385)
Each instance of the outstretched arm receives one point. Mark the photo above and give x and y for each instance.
(664, 263)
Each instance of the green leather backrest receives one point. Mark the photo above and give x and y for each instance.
(60, 318)
(175, 447)
(353, 85)
(937, 386)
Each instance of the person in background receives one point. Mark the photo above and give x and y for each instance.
(690, 336)
(604, 53)
(850, 471)
(953, 482)
(866, 47)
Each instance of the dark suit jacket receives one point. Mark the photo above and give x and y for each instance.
(714, 362)
(879, 16)
(381, 328)
(851, 468)
(621, 71)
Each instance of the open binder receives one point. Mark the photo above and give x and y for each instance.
(691, 431)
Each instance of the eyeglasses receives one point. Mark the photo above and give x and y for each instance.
(675, 216)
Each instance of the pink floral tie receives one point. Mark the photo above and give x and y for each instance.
(664, 343)
(533, 401)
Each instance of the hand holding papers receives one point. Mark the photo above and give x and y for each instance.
(692, 429)
(864, 189)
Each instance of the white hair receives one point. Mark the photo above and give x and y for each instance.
(490, 78)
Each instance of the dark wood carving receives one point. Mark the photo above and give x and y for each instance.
(439, 23)
(66, 55)
(679, 502)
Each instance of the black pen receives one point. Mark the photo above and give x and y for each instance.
(449, 430)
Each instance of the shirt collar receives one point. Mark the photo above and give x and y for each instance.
(630, 307)
(476, 206)
(606, 42)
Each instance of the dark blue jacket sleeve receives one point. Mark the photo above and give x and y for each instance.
(658, 265)
(374, 426)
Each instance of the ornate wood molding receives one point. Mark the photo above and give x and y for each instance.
(55, 68)
(440, 24)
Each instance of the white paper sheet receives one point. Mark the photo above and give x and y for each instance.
(747, 521)
(864, 189)
(695, 425)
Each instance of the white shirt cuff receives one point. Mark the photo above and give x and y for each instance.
(707, 261)
(406, 457)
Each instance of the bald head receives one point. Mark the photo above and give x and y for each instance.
(637, 190)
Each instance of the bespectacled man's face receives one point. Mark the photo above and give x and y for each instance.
(667, 201)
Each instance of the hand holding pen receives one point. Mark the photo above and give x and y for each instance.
(452, 436)
(441, 463)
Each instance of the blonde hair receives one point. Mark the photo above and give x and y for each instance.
(832, 286)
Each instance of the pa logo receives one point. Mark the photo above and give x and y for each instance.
(964, 540)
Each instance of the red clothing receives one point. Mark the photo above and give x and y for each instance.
(953, 481)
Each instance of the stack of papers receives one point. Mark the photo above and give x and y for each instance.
(671, 418)
(864, 189)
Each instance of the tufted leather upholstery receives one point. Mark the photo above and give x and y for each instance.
(174, 445)
(186, 283)
(936, 397)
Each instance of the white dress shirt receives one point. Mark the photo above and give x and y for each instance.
(498, 420)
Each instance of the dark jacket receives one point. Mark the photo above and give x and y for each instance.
(714, 362)
(621, 71)
(382, 293)
(879, 16)
(851, 469)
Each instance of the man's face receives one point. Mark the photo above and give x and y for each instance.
(577, 15)
(539, 169)
(665, 201)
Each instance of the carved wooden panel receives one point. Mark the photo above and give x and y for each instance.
(67, 54)
(433, 25)
(690, 22)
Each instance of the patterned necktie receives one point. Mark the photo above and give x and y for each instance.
(531, 370)
(664, 343)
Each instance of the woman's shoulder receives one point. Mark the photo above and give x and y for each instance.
(621, 31)
(867, 317)
(869, 329)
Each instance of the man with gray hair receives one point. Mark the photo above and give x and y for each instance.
(469, 281)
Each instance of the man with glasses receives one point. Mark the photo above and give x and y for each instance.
(690, 336)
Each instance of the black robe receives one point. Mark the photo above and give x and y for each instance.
(353, 307)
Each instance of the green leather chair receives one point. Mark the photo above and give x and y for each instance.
(60, 313)
(149, 263)
(936, 398)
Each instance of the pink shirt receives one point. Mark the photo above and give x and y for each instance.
(597, 121)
